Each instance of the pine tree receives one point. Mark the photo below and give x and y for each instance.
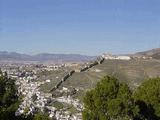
(110, 100)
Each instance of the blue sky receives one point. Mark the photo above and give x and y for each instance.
(87, 27)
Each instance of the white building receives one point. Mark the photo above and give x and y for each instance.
(123, 58)
(114, 57)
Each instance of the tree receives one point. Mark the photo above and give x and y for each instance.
(9, 101)
(147, 96)
(109, 100)
(8, 98)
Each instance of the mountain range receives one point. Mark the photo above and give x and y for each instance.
(44, 57)
(61, 58)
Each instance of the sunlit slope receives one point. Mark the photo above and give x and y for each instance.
(132, 72)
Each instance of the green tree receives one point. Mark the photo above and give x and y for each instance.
(109, 100)
(8, 98)
(147, 97)
(9, 101)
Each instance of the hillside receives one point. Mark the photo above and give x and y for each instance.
(154, 53)
(132, 72)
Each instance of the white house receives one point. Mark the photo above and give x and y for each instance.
(123, 58)
(114, 57)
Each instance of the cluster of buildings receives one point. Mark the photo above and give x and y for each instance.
(34, 100)
(125, 57)
(115, 57)
(69, 100)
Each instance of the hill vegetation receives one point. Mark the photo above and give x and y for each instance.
(8, 98)
(112, 100)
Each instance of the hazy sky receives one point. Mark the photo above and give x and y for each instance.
(79, 26)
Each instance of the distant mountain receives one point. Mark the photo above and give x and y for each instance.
(13, 56)
(154, 53)
(63, 57)
(44, 57)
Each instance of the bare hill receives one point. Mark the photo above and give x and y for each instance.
(154, 53)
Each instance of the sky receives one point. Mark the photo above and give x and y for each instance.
(89, 27)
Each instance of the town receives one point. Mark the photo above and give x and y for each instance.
(59, 102)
